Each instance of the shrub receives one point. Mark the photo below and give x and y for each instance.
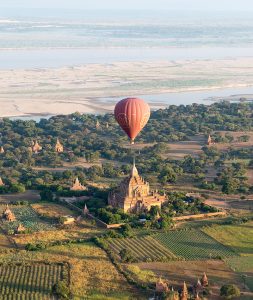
(61, 290)
(126, 255)
(229, 291)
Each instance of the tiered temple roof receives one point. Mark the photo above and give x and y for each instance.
(77, 186)
(134, 194)
(58, 146)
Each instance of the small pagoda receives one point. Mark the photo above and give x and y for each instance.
(161, 286)
(97, 125)
(204, 280)
(184, 293)
(21, 228)
(1, 182)
(209, 141)
(8, 215)
(85, 210)
(77, 186)
(134, 194)
(197, 297)
(2, 150)
(58, 147)
(36, 147)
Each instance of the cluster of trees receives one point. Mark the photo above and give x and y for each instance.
(83, 139)
(180, 204)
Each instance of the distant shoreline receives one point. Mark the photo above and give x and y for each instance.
(94, 89)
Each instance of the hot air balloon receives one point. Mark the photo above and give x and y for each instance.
(132, 114)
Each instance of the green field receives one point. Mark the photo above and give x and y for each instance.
(193, 245)
(243, 265)
(238, 237)
(32, 281)
(27, 216)
(142, 249)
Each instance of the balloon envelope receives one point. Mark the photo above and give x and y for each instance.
(132, 114)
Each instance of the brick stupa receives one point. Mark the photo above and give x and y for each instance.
(77, 186)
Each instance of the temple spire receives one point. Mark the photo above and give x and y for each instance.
(134, 172)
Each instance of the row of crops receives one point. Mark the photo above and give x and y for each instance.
(28, 296)
(183, 245)
(37, 278)
(142, 249)
(28, 217)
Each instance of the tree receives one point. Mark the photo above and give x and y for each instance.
(46, 195)
(17, 188)
(229, 291)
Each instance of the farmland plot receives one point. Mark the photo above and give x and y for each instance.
(142, 249)
(32, 281)
(193, 245)
(28, 217)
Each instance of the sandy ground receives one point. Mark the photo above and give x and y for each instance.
(70, 89)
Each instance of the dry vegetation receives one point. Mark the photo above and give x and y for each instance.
(52, 210)
(83, 230)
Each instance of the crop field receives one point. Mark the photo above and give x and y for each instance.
(142, 249)
(241, 263)
(238, 237)
(33, 281)
(28, 217)
(193, 245)
(244, 266)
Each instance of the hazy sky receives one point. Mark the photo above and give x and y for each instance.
(242, 5)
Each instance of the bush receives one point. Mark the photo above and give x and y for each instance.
(61, 290)
(229, 291)
(126, 255)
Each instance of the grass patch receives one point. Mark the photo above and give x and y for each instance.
(238, 237)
